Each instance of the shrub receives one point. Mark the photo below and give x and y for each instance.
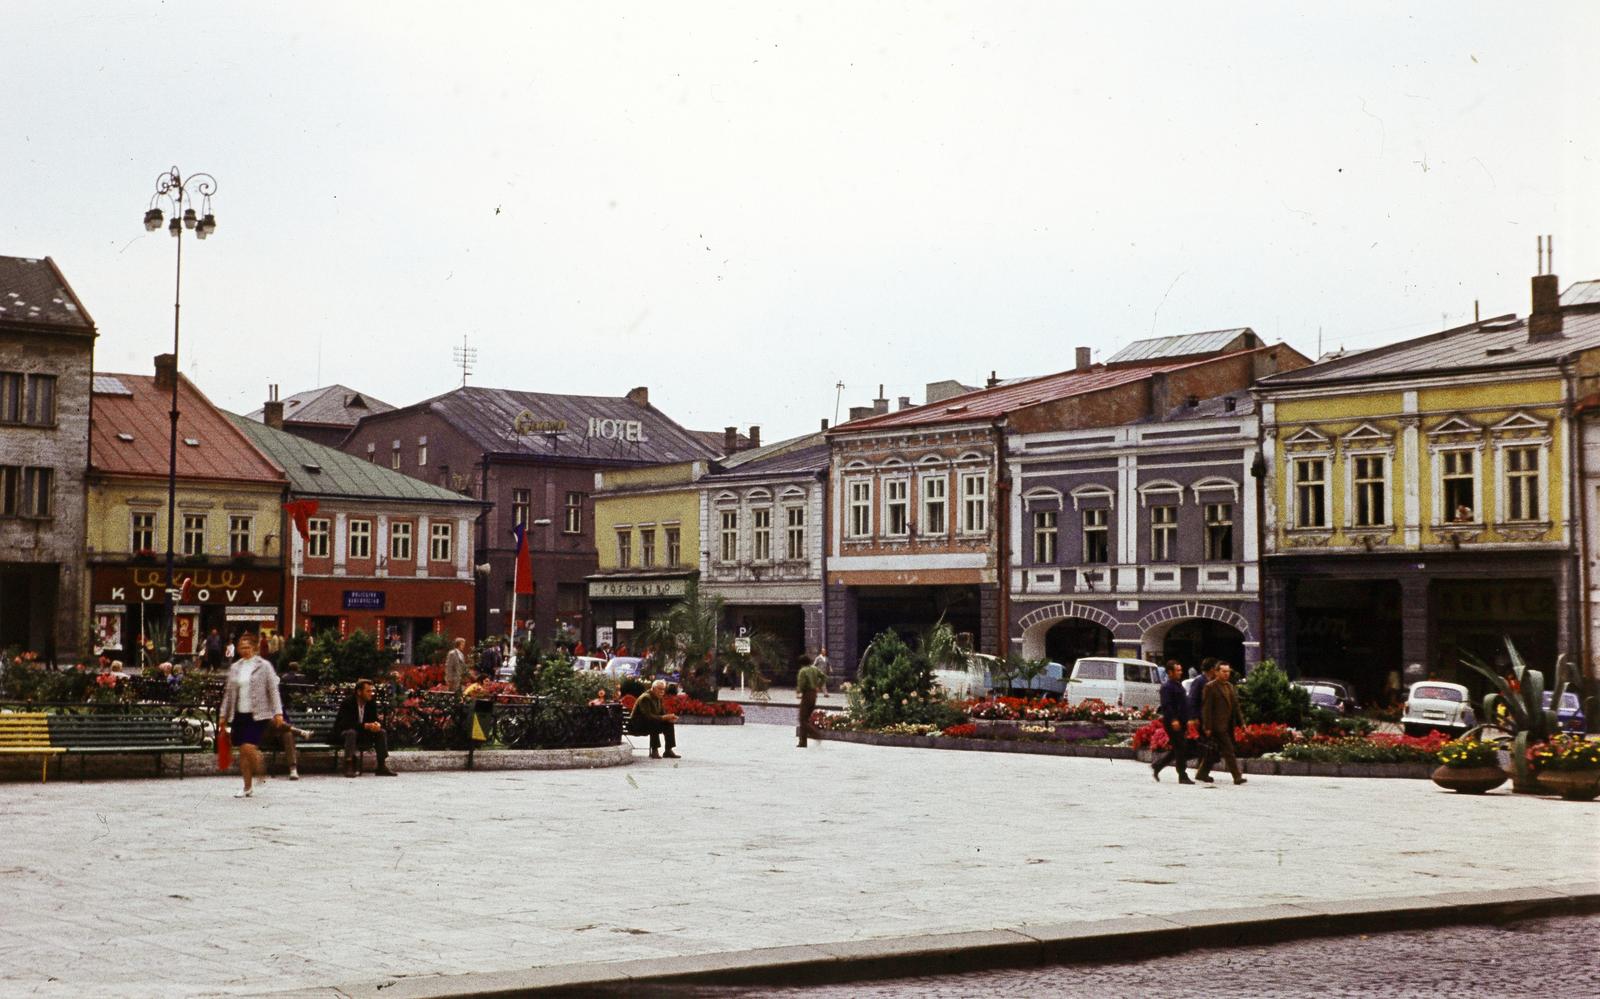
(892, 677)
(1267, 697)
(431, 647)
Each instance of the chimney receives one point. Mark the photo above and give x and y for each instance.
(1544, 322)
(994, 379)
(1084, 364)
(639, 396)
(824, 423)
(881, 403)
(730, 440)
(858, 412)
(166, 371)
(755, 436)
(272, 409)
(905, 402)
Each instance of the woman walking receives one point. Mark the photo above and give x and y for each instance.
(249, 701)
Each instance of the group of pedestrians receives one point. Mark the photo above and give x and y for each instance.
(1213, 702)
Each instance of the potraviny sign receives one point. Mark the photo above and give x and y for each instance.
(637, 589)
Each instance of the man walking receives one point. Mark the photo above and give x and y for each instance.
(1219, 713)
(357, 726)
(650, 718)
(455, 666)
(810, 682)
(1175, 719)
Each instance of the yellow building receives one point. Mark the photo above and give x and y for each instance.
(647, 531)
(1418, 501)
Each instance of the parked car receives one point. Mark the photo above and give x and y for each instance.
(621, 666)
(974, 681)
(1570, 714)
(580, 663)
(1135, 683)
(1436, 705)
(1322, 696)
(1342, 690)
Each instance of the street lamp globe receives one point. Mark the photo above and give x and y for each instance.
(152, 219)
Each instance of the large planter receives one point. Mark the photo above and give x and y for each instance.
(1469, 780)
(1573, 785)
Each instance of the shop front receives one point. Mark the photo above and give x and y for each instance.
(129, 604)
(398, 611)
(622, 607)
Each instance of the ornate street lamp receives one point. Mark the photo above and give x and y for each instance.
(181, 193)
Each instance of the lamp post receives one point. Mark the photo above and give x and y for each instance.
(183, 193)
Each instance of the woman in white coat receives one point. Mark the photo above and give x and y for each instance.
(250, 700)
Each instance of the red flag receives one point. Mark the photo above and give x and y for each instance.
(524, 560)
(301, 512)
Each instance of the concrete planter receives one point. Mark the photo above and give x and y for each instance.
(1572, 785)
(708, 720)
(1469, 780)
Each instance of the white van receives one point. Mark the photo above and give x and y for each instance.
(1133, 683)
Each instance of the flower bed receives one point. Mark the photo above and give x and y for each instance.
(1248, 740)
(1366, 749)
(688, 707)
(1050, 709)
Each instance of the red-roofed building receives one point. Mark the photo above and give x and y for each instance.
(226, 541)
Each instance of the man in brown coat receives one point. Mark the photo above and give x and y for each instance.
(1219, 713)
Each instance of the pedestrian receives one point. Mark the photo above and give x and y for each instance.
(357, 726)
(820, 660)
(250, 700)
(810, 682)
(650, 717)
(1175, 719)
(1208, 670)
(213, 650)
(1219, 713)
(455, 665)
(274, 647)
(489, 662)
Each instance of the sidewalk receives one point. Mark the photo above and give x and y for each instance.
(780, 697)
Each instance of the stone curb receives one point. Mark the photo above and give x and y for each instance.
(1090, 941)
(710, 720)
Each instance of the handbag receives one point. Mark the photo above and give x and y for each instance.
(224, 748)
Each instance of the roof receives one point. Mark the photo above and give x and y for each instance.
(129, 434)
(1501, 342)
(1582, 293)
(331, 405)
(1187, 345)
(1208, 409)
(34, 293)
(807, 453)
(486, 417)
(317, 470)
(716, 440)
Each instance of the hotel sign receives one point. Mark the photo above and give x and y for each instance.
(526, 424)
(643, 589)
(616, 430)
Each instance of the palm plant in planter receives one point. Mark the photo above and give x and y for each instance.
(1521, 695)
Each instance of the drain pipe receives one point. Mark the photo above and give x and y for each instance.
(1002, 487)
(1575, 410)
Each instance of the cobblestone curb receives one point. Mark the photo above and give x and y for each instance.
(949, 953)
(983, 745)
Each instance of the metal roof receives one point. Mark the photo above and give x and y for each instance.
(33, 292)
(129, 435)
(807, 453)
(109, 385)
(1582, 293)
(332, 405)
(316, 470)
(1186, 345)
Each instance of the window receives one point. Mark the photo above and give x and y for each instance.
(860, 522)
(935, 494)
(440, 542)
(761, 534)
(359, 535)
(1096, 537)
(1044, 537)
(1310, 492)
(1094, 669)
(574, 522)
(1457, 477)
(10, 397)
(1163, 533)
(25, 491)
(194, 534)
(394, 456)
(317, 538)
(647, 546)
(143, 535)
(400, 541)
(520, 501)
(1522, 483)
(27, 399)
(1219, 532)
(239, 532)
(795, 543)
(624, 547)
(897, 507)
(729, 536)
(974, 503)
(1369, 484)
(674, 547)
(422, 453)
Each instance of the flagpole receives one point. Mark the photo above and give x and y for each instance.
(511, 627)
(294, 585)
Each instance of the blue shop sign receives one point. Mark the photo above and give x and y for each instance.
(364, 599)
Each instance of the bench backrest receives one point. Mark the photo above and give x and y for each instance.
(318, 721)
(24, 730)
(106, 731)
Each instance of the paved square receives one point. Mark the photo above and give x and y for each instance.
(138, 888)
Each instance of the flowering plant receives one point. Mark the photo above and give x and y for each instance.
(1462, 753)
(420, 677)
(683, 704)
(1564, 753)
(909, 728)
(965, 730)
(1366, 749)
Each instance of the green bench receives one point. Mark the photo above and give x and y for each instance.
(317, 721)
(157, 735)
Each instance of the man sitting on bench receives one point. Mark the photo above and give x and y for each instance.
(650, 718)
(358, 726)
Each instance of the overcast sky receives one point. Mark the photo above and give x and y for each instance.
(741, 205)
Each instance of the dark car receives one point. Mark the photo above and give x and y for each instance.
(1570, 714)
(1341, 689)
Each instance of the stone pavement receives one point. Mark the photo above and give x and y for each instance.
(138, 888)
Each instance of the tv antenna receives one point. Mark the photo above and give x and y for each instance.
(465, 358)
(838, 393)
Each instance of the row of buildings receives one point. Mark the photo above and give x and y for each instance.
(1365, 516)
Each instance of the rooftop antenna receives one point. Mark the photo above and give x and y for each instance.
(465, 358)
(838, 393)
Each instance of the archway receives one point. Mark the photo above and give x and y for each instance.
(1070, 640)
(1194, 639)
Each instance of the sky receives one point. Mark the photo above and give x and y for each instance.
(742, 206)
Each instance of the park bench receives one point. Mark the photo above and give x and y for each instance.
(317, 721)
(158, 735)
(28, 734)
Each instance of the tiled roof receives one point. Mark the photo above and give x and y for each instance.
(34, 293)
(1207, 409)
(316, 470)
(1187, 345)
(716, 439)
(807, 453)
(129, 435)
(486, 416)
(332, 405)
(1501, 342)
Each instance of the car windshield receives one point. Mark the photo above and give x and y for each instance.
(1437, 694)
(1569, 700)
(1090, 669)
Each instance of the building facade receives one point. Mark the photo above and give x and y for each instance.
(1420, 500)
(384, 553)
(531, 458)
(647, 526)
(763, 515)
(46, 364)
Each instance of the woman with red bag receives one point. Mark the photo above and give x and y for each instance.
(250, 700)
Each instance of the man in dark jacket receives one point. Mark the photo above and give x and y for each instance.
(358, 726)
(1219, 713)
(650, 717)
(1208, 669)
(1175, 719)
